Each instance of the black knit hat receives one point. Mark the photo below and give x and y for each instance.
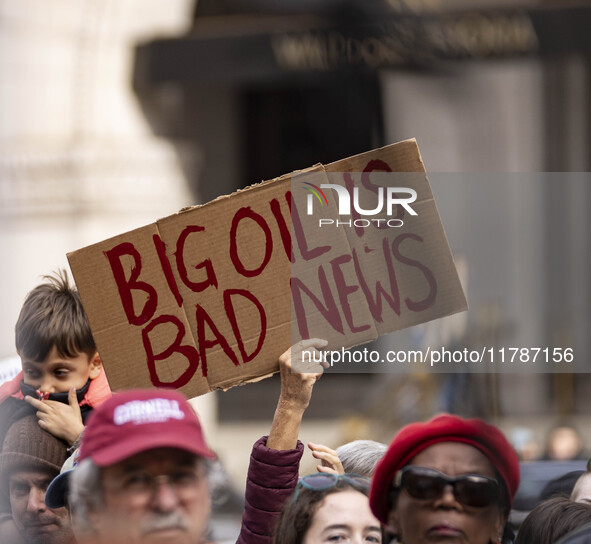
(27, 446)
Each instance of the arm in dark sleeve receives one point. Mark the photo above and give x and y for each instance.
(272, 478)
(275, 459)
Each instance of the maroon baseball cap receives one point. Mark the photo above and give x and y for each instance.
(137, 420)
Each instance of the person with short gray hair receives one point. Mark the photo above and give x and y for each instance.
(361, 456)
(357, 457)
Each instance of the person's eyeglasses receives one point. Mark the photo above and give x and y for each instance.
(428, 484)
(142, 485)
(321, 481)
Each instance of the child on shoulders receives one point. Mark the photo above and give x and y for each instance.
(62, 377)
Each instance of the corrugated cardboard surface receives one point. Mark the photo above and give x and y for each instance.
(203, 297)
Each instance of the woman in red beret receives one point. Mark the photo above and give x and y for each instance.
(447, 480)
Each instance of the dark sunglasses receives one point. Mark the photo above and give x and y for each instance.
(427, 483)
(321, 481)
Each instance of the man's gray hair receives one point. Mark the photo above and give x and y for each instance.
(361, 456)
(85, 495)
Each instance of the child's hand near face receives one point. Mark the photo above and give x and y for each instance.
(61, 420)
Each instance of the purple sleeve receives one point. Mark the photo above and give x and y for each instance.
(272, 478)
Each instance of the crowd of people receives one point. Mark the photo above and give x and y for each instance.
(82, 465)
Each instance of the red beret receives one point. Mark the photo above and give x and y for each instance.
(416, 437)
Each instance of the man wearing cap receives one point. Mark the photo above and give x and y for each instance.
(142, 470)
(30, 459)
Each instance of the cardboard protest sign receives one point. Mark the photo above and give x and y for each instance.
(209, 297)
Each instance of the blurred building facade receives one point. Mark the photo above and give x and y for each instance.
(78, 161)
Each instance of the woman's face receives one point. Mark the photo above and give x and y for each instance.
(344, 518)
(444, 519)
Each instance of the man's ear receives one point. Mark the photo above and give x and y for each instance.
(95, 364)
